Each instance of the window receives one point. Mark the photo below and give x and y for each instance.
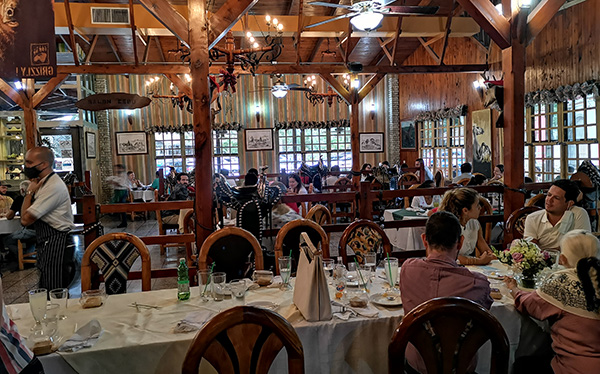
(559, 136)
(225, 143)
(442, 144)
(309, 145)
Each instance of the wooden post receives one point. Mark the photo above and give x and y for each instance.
(365, 210)
(513, 66)
(89, 218)
(29, 115)
(354, 141)
(198, 37)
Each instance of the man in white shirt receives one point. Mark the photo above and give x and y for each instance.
(547, 227)
(428, 173)
(465, 172)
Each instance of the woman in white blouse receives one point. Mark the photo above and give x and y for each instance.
(464, 204)
(426, 202)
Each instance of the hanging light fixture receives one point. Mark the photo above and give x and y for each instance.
(279, 91)
(367, 21)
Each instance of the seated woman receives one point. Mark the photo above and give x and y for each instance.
(295, 188)
(365, 173)
(464, 204)
(426, 202)
(498, 173)
(570, 300)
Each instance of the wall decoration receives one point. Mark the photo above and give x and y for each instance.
(563, 93)
(131, 143)
(482, 142)
(259, 139)
(409, 135)
(458, 111)
(284, 125)
(90, 144)
(115, 100)
(371, 142)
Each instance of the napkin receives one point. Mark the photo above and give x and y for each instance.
(193, 321)
(85, 337)
(344, 312)
(277, 282)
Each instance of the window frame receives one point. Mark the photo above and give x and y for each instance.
(437, 147)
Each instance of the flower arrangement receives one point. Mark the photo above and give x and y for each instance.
(525, 257)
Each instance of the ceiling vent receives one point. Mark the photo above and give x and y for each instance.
(113, 16)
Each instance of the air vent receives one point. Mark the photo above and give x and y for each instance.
(113, 16)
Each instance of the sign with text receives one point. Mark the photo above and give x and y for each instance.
(27, 40)
(117, 100)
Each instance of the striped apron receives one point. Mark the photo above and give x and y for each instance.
(55, 250)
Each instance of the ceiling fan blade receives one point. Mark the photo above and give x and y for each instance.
(299, 89)
(294, 85)
(410, 10)
(332, 19)
(331, 5)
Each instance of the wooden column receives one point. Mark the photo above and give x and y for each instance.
(29, 115)
(513, 66)
(198, 37)
(354, 139)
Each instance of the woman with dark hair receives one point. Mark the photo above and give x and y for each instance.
(426, 202)
(295, 188)
(570, 300)
(366, 177)
(464, 204)
(498, 173)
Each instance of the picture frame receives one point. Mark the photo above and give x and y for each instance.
(90, 144)
(408, 132)
(371, 142)
(259, 140)
(131, 143)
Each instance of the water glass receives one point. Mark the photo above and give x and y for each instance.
(328, 267)
(238, 290)
(60, 297)
(391, 271)
(365, 277)
(204, 277)
(50, 321)
(38, 299)
(285, 270)
(218, 286)
(370, 259)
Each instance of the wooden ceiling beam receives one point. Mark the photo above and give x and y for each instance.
(48, 89)
(316, 48)
(164, 12)
(430, 50)
(397, 41)
(299, 33)
(434, 39)
(180, 84)
(133, 33)
(347, 50)
(161, 53)
(226, 17)
(16, 96)
(113, 47)
(71, 32)
(540, 16)
(495, 24)
(369, 86)
(337, 86)
(88, 57)
(448, 25)
(146, 50)
(382, 44)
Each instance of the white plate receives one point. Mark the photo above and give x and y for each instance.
(264, 304)
(495, 275)
(379, 299)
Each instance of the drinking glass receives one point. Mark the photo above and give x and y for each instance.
(204, 278)
(38, 299)
(218, 286)
(365, 277)
(60, 297)
(370, 259)
(391, 271)
(285, 270)
(238, 290)
(50, 321)
(328, 267)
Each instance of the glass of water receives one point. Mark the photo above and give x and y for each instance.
(285, 270)
(370, 259)
(218, 286)
(59, 296)
(328, 267)
(38, 302)
(391, 271)
(238, 290)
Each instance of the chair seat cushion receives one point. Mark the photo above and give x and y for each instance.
(114, 259)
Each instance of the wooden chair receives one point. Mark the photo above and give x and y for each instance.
(439, 178)
(113, 255)
(486, 209)
(363, 236)
(288, 240)
(244, 339)
(189, 227)
(464, 181)
(447, 332)
(25, 258)
(408, 179)
(319, 214)
(516, 223)
(538, 200)
(230, 249)
(343, 184)
(164, 227)
(135, 214)
(407, 199)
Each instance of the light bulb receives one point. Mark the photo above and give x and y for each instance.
(280, 27)
(372, 107)
(275, 21)
(248, 34)
(257, 109)
(367, 21)
(255, 45)
(268, 18)
(355, 83)
(252, 40)
(313, 77)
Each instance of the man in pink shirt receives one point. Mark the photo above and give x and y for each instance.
(439, 275)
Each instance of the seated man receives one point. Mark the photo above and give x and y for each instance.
(26, 233)
(465, 172)
(547, 227)
(180, 192)
(418, 162)
(439, 275)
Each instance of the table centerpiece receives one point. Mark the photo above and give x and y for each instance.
(526, 259)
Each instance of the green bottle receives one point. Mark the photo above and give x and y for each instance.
(183, 281)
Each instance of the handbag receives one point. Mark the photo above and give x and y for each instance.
(311, 294)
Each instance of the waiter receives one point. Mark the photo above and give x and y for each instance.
(47, 206)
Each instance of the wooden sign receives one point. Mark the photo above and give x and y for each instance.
(116, 100)
(27, 40)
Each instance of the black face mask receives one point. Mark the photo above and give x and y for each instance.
(32, 172)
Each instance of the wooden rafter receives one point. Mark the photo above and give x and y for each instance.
(337, 87)
(447, 34)
(161, 53)
(16, 96)
(495, 24)
(66, 43)
(71, 32)
(180, 84)
(347, 48)
(133, 33)
(396, 41)
(48, 89)
(113, 47)
(299, 32)
(478, 44)
(430, 50)
(223, 20)
(540, 16)
(316, 48)
(164, 12)
(146, 50)
(88, 57)
(383, 44)
(369, 86)
(292, 7)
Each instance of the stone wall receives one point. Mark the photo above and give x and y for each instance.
(104, 157)
(392, 121)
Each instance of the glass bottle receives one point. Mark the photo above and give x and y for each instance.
(183, 281)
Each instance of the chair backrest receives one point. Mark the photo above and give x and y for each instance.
(288, 240)
(230, 249)
(538, 200)
(376, 185)
(408, 178)
(464, 181)
(363, 236)
(407, 199)
(447, 332)
(438, 178)
(319, 214)
(249, 217)
(486, 209)
(516, 223)
(343, 181)
(189, 227)
(114, 254)
(244, 339)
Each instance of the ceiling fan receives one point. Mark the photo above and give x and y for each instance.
(280, 89)
(367, 15)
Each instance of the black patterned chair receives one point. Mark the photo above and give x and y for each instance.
(364, 236)
(112, 255)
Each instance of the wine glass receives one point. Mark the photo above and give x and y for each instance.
(60, 296)
(38, 299)
(285, 270)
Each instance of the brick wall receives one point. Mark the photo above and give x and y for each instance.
(392, 122)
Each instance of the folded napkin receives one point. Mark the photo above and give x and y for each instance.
(344, 312)
(85, 337)
(277, 282)
(193, 321)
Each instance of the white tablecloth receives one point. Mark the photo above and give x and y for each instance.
(144, 342)
(8, 226)
(145, 195)
(407, 238)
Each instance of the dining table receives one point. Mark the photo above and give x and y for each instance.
(405, 238)
(144, 195)
(8, 226)
(139, 331)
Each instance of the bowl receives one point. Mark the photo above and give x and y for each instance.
(92, 298)
(357, 297)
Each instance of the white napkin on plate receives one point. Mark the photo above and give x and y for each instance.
(85, 337)
(344, 312)
(193, 321)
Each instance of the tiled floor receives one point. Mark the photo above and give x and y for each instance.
(17, 283)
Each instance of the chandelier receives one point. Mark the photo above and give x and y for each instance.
(181, 100)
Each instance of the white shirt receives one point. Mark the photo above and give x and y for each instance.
(471, 233)
(330, 180)
(52, 204)
(462, 176)
(420, 203)
(538, 227)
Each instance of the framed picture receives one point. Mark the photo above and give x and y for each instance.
(371, 142)
(259, 139)
(132, 143)
(90, 144)
(409, 135)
